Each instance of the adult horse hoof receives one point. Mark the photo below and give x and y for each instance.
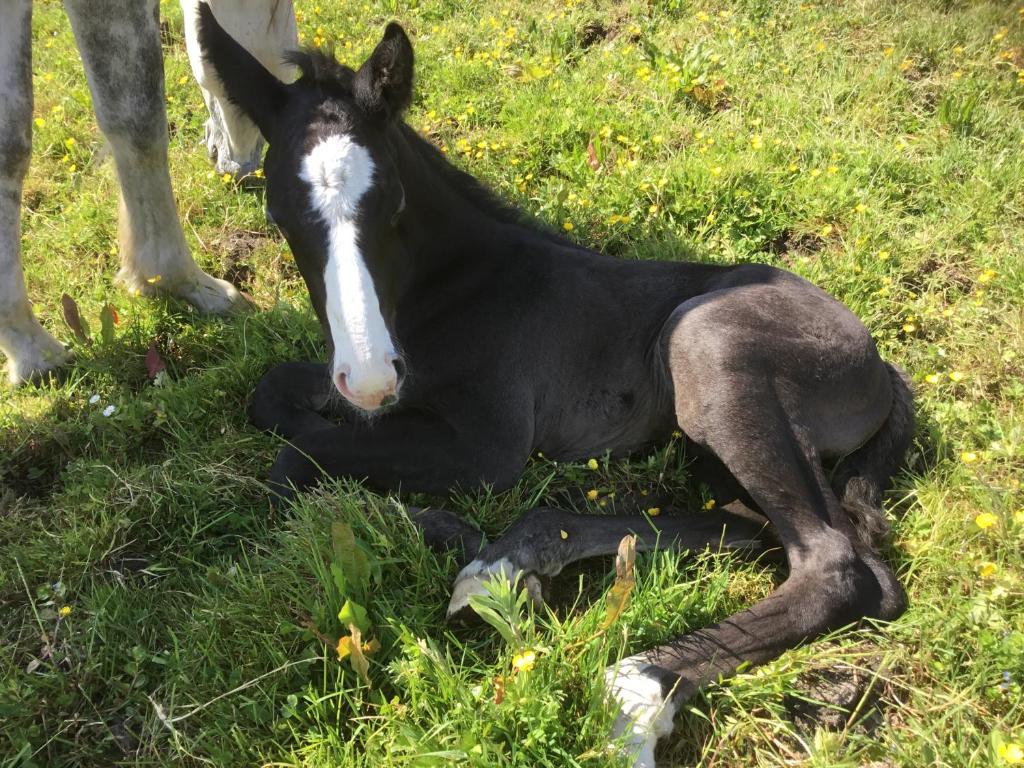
(472, 580)
(35, 357)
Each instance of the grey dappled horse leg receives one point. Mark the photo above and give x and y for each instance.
(293, 399)
(119, 41)
(444, 531)
(30, 350)
(265, 28)
(544, 541)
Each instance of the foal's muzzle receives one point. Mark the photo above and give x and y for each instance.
(372, 391)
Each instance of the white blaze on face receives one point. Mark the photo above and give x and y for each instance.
(339, 172)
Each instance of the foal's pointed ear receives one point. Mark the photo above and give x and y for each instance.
(384, 82)
(246, 82)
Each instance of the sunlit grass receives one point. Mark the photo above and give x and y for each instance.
(156, 611)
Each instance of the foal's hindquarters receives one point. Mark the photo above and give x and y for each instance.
(119, 41)
(773, 377)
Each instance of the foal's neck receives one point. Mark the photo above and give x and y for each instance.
(447, 209)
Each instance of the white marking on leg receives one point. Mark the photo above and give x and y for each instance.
(339, 172)
(645, 715)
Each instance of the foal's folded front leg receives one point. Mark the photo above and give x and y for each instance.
(544, 541)
(407, 451)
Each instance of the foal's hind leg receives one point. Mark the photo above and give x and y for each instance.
(120, 45)
(30, 350)
(731, 389)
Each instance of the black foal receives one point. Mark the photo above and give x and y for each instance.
(463, 339)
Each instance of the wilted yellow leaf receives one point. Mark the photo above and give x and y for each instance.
(618, 596)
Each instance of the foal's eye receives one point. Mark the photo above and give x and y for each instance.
(398, 211)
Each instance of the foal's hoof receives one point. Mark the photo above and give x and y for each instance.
(473, 578)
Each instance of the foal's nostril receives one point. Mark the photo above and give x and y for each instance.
(399, 364)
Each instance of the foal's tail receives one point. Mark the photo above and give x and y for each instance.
(860, 478)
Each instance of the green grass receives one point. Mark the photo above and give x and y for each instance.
(876, 148)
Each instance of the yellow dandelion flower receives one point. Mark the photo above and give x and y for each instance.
(987, 570)
(1011, 752)
(65, 611)
(909, 327)
(956, 376)
(40, 122)
(653, 208)
(883, 255)
(709, 504)
(226, 178)
(73, 167)
(986, 520)
(968, 457)
(833, 170)
(525, 660)
(592, 464)
(826, 230)
(70, 142)
(654, 511)
(1018, 516)
(567, 226)
(716, 170)
(815, 173)
(987, 276)
(592, 494)
(756, 142)
(932, 378)
(860, 208)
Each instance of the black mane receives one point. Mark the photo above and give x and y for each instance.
(318, 66)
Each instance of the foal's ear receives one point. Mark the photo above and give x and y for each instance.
(384, 82)
(246, 82)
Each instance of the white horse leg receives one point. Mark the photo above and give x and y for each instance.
(265, 28)
(30, 350)
(119, 41)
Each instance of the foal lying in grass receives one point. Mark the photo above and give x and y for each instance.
(467, 339)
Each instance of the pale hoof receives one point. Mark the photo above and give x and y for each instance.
(644, 713)
(208, 294)
(34, 355)
(211, 295)
(473, 577)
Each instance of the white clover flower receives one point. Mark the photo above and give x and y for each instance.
(109, 410)
(94, 399)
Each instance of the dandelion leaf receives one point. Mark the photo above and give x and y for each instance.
(108, 318)
(351, 559)
(352, 613)
(74, 319)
